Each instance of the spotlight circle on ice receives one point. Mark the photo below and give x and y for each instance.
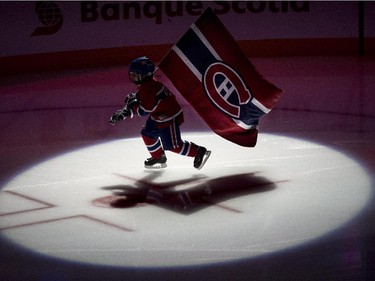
(99, 205)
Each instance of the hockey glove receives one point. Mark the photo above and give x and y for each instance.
(119, 115)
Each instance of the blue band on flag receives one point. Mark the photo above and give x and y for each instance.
(196, 51)
(250, 114)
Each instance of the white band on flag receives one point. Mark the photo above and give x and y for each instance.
(205, 41)
(245, 126)
(187, 62)
(259, 105)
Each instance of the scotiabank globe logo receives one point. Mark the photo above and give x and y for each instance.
(50, 17)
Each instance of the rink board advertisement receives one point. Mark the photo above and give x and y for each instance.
(47, 27)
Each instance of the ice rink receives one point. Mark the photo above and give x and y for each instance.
(77, 204)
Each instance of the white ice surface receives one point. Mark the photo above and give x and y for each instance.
(298, 191)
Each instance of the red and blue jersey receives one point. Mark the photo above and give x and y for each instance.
(156, 99)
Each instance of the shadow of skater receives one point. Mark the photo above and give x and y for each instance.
(215, 191)
(144, 190)
(205, 193)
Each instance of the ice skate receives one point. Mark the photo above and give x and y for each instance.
(156, 163)
(201, 158)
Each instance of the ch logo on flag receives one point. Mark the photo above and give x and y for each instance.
(212, 73)
(226, 89)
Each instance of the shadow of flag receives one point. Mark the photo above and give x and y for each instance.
(212, 73)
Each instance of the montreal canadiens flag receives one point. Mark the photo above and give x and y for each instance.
(212, 73)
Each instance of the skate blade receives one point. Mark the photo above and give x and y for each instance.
(157, 166)
(205, 158)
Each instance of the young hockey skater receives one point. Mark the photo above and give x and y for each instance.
(162, 129)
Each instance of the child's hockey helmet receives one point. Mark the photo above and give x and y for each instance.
(141, 70)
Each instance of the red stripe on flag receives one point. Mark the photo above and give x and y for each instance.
(228, 50)
(192, 90)
(189, 86)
